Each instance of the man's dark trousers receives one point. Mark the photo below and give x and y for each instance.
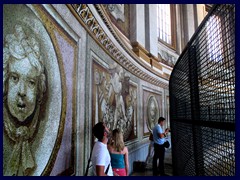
(159, 152)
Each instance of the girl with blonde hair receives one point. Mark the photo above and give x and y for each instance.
(119, 153)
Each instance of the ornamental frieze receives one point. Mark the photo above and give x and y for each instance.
(99, 34)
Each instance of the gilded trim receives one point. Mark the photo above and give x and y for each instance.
(84, 15)
(144, 54)
(50, 27)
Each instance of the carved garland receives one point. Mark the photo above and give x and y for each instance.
(91, 23)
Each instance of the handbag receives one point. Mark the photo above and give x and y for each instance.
(139, 166)
(166, 144)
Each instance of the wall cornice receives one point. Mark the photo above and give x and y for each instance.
(112, 43)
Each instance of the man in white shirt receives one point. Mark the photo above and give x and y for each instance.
(100, 155)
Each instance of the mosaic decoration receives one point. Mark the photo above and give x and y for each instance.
(152, 112)
(115, 99)
(25, 85)
(152, 109)
(30, 71)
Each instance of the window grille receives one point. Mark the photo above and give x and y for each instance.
(202, 99)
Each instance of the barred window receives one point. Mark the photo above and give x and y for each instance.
(214, 39)
(166, 24)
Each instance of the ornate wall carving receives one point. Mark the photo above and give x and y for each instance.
(114, 99)
(92, 25)
(117, 11)
(49, 129)
(39, 61)
(152, 109)
(120, 17)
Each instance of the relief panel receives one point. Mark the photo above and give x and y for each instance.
(152, 110)
(114, 99)
(119, 15)
(36, 98)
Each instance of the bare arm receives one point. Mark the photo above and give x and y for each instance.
(162, 135)
(100, 170)
(126, 160)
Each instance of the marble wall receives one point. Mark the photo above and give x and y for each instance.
(58, 82)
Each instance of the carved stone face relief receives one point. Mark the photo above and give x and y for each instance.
(23, 69)
(32, 93)
(152, 112)
(22, 88)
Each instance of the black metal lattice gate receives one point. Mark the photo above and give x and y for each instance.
(202, 99)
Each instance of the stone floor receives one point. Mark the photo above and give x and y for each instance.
(148, 172)
(167, 161)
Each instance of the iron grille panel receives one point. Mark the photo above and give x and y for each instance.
(202, 99)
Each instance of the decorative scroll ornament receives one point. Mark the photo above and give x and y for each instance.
(117, 10)
(101, 36)
(110, 100)
(152, 112)
(21, 116)
(21, 135)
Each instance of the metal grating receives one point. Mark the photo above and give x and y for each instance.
(202, 99)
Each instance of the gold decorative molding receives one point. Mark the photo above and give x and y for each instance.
(141, 52)
(138, 49)
(52, 27)
(87, 19)
(156, 64)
